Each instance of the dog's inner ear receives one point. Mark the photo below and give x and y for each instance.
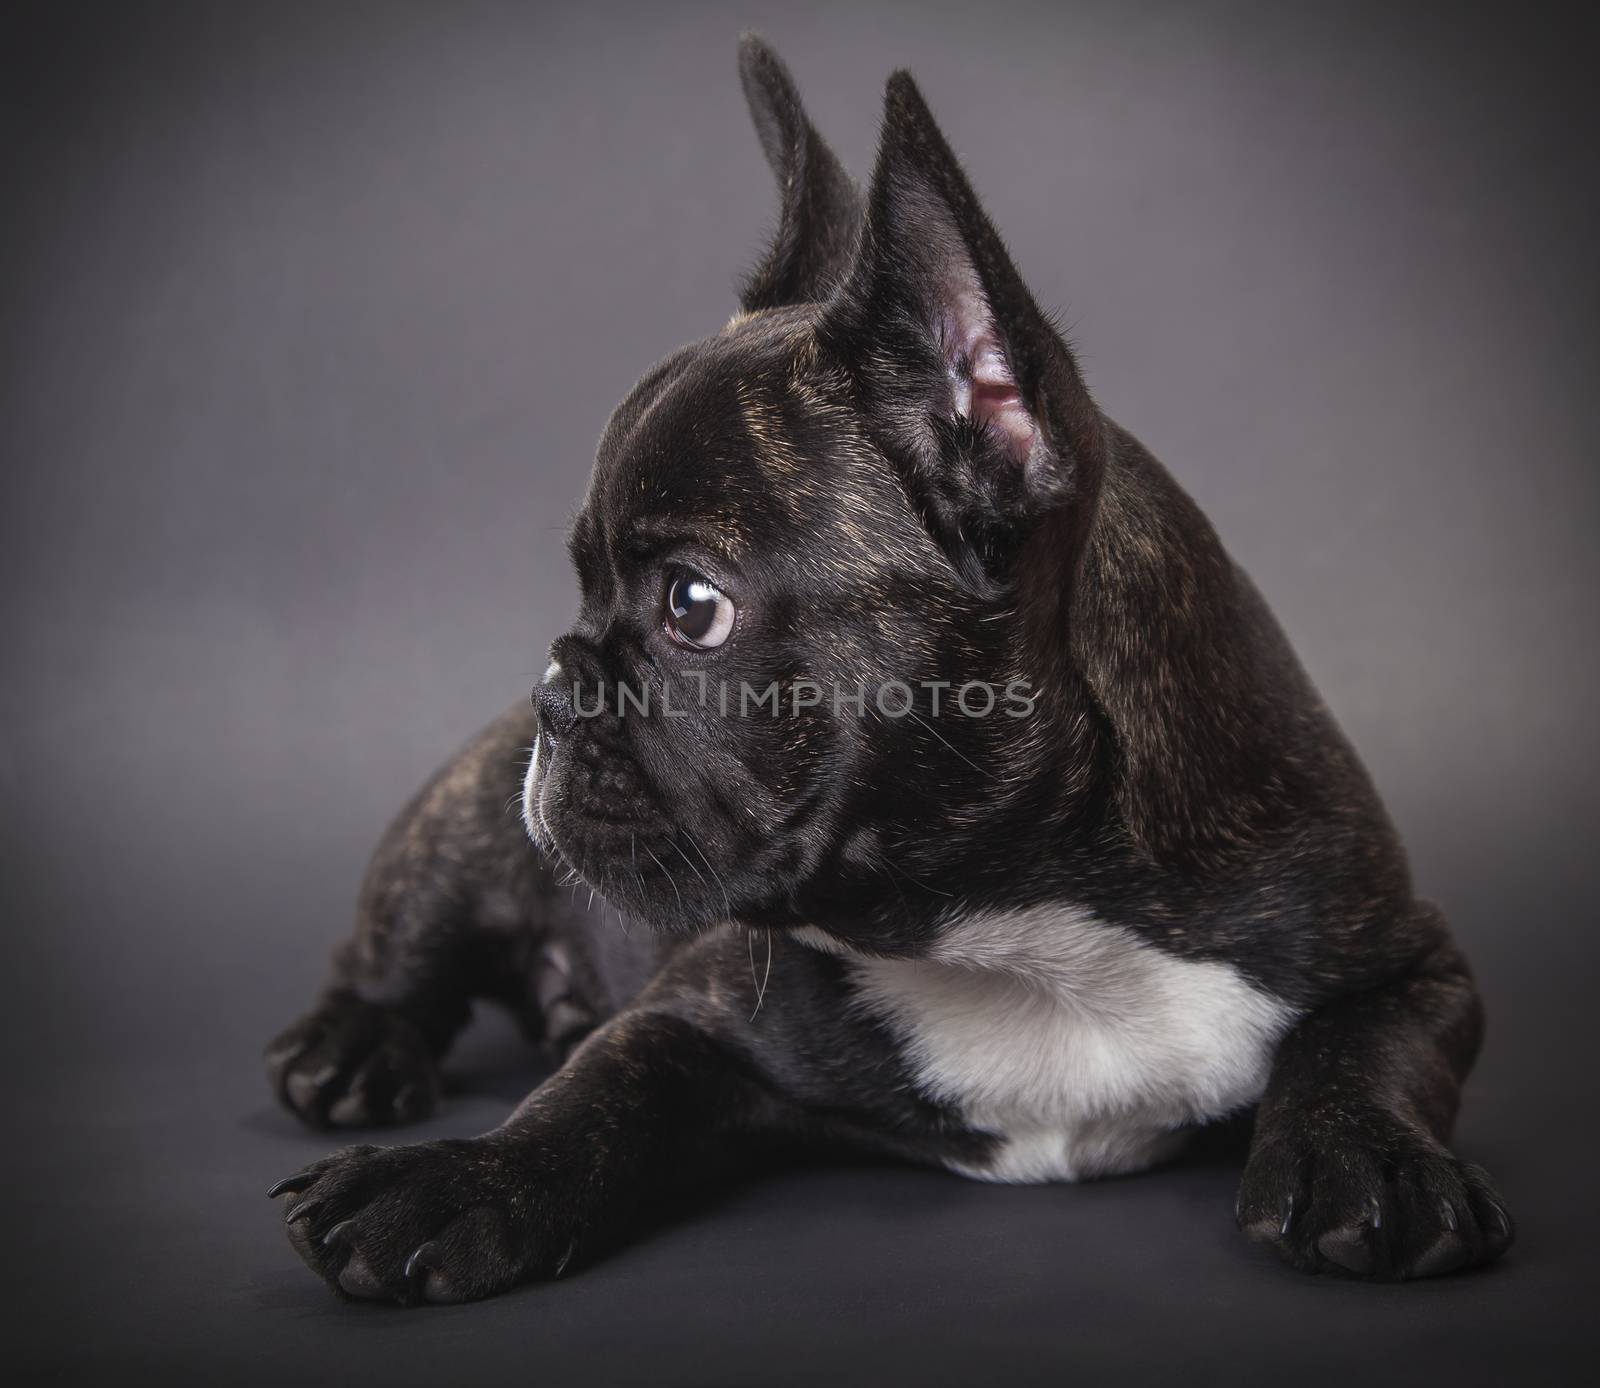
(983, 388)
(822, 210)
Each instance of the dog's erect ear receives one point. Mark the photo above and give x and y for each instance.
(971, 390)
(822, 208)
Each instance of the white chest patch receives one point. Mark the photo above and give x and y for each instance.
(1082, 1047)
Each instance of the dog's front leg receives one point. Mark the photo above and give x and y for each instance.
(707, 1064)
(643, 1102)
(1348, 1171)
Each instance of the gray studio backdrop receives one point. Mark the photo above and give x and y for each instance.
(310, 319)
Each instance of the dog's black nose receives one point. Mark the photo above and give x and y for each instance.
(553, 700)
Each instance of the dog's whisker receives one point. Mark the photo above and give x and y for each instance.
(761, 988)
(964, 757)
(915, 881)
(670, 879)
(692, 868)
(727, 906)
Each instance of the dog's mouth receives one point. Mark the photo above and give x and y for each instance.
(574, 780)
(595, 813)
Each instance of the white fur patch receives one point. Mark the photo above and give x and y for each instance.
(1082, 1047)
(532, 809)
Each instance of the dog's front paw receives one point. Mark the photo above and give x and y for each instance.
(1371, 1200)
(351, 1064)
(433, 1221)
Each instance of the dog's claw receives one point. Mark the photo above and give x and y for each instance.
(1502, 1218)
(292, 1185)
(337, 1235)
(300, 1211)
(418, 1261)
(561, 1265)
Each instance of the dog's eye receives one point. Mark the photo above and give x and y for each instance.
(697, 613)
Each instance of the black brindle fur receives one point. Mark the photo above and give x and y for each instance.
(1179, 777)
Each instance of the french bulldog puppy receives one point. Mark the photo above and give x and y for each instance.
(982, 813)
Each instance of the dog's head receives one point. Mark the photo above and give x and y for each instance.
(822, 673)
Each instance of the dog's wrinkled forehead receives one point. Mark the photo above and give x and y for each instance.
(750, 435)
